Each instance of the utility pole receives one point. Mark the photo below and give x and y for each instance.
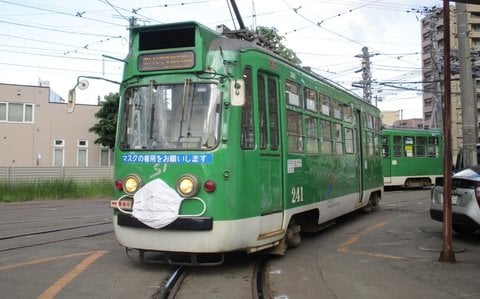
(447, 254)
(436, 119)
(467, 92)
(366, 82)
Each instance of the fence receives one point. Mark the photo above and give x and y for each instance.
(78, 174)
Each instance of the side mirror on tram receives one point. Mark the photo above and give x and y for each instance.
(82, 85)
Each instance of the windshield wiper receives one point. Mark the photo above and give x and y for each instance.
(186, 91)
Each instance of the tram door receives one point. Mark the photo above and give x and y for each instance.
(270, 154)
(387, 160)
(359, 152)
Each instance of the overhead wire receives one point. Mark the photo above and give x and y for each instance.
(124, 12)
(77, 14)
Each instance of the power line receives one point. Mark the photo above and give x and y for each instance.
(89, 71)
(55, 30)
(77, 14)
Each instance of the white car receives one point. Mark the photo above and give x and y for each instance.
(465, 201)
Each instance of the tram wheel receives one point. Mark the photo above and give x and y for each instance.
(373, 203)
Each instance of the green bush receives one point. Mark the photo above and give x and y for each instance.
(54, 189)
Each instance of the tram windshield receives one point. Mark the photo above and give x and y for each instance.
(171, 117)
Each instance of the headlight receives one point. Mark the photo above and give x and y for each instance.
(187, 185)
(131, 184)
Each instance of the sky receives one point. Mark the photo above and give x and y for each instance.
(57, 40)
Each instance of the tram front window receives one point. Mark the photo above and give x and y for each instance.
(171, 117)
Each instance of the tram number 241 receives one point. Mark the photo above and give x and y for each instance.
(297, 194)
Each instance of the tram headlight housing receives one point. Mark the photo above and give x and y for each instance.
(131, 184)
(188, 185)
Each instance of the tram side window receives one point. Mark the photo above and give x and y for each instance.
(262, 113)
(294, 132)
(376, 142)
(292, 95)
(347, 113)
(368, 120)
(337, 109)
(338, 141)
(378, 124)
(408, 142)
(311, 128)
(370, 144)
(325, 104)
(349, 141)
(273, 113)
(385, 147)
(433, 147)
(420, 144)
(397, 146)
(326, 137)
(247, 131)
(310, 99)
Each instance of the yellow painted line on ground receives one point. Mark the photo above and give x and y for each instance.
(44, 260)
(52, 291)
(344, 247)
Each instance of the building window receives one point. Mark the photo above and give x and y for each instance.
(58, 152)
(82, 157)
(16, 112)
(28, 116)
(105, 157)
(82, 153)
(3, 111)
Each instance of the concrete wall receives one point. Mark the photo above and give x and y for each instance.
(26, 144)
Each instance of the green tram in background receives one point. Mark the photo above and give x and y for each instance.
(412, 157)
(224, 146)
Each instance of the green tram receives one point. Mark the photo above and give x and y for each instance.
(412, 158)
(224, 146)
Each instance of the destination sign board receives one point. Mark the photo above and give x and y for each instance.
(166, 61)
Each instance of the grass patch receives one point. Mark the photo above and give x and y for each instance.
(54, 189)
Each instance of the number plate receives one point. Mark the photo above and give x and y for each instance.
(124, 204)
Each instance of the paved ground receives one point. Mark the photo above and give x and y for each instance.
(392, 253)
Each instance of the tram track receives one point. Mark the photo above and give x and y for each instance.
(204, 281)
(53, 235)
(53, 230)
(54, 219)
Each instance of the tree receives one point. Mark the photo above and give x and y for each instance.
(273, 41)
(107, 124)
